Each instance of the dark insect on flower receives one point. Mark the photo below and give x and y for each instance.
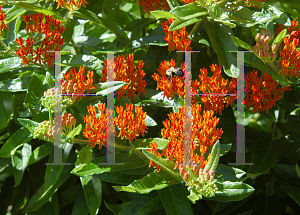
(174, 71)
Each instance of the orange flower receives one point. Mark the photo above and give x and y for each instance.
(177, 40)
(96, 128)
(215, 85)
(72, 4)
(188, 1)
(77, 83)
(204, 136)
(52, 41)
(163, 83)
(130, 126)
(126, 72)
(149, 5)
(261, 93)
(289, 55)
(2, 24)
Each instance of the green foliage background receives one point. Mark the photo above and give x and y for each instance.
(28, 186)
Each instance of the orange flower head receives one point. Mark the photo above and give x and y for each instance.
(127, 72)
(204, 135)
(261, 93)
(163, 83)
(177, 40)
(150, 5)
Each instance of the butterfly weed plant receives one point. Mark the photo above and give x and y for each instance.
(68, 148)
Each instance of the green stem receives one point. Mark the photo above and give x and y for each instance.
(2, 43)
(273, 67)
(195, 27)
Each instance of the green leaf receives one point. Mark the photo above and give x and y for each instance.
(20, 137)
(137, 26)
(158, 14)
(85, 155)
(109, 87)
(144, 204)
(165, 164)
(220, 39)
(40, 152)
(20, 162)
(297, 170)
(76, 131)
(241, 43)
(15, 85)
(35, 92)
(175, 201)
(116, 209)
(82, 59)
(29, 124)
(14, 13)
(291, 188)
(106, 23)
(49, 79)
(109, 6)
(280, 37)
(218, 15)
(10, 64)
(149, 121)
(229, 173)
(145, 143)
(6, 108)
(173, 3)
(265, 153)
(188, 11)
(93, 192)
(232, 191)
(80, 206)
(178, 23)
(36, 8)
(288, 172)
(153, 181)
(224, 149)
(290, 127)
(214, 157)
(131, 162)
(57, 176)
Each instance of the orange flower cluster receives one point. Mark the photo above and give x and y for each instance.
(130, 126)
(177, 40)
(96, 128)
(216, 85)
(126, 72)
(169, 87)
(2, 24)
(149, 5)
(204, 135)
(188, 1)
(71, 4)
(77, 83)
(261, 93)
(289, 55)
(51, 42)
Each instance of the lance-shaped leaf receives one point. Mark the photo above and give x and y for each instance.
(189, 11)
(220, 38)
(158, 14)
(241, 43)
(109, 87)
(175, 201)
(280, 37)
(166, 164)
(214, 157)
(153, 181)
(232, 191)
(76, 131)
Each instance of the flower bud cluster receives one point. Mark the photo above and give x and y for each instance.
(49, 99)
(206, 183)
(46, 131)
(69, 87)
(262, 48)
